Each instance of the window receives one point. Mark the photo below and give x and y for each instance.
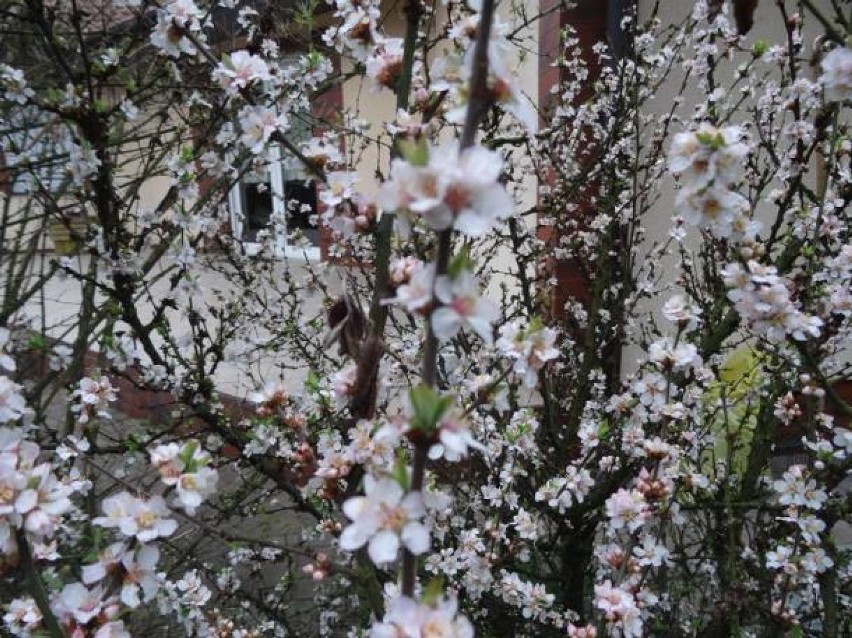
(280, 201)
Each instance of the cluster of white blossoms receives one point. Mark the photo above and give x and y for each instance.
(462, 305)
(632, 548)
(13, 85)
(13, 406)
(139, 581)
(384, 63)
(562, 492)
(836, 276)
(452, 73)
(394, 514)
(390, 515)
(258, 123)
(619, 608)
(529, 345)
(795, 488)
(347, 212)
(88, 612)
(627, 509)
(185, 466)
(408, 618)
(707, 162)
(414, 282)
(35, 503)
(446, 188)
(240, 70)
(533, 599)
(92, 398)
(179, 25)
(82, 162)
(454, 438)
(501, 539)
(22, 617)
(32, 498)
(763, 299)
(679, 357)
(452, 301)
(797, 557)
(186, 598)
(357, 31)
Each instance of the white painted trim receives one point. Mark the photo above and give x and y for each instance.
(235, 207)
(294, 252)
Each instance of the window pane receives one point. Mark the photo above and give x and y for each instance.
(301, 198)
(257, 208)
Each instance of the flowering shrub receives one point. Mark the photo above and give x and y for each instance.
(442, 436)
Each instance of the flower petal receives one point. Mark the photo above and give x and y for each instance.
(416, 537)
(383, 547)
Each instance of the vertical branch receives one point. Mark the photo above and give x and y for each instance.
(479, 97)
(476, 108)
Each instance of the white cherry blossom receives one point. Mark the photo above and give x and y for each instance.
(407, 618)
(239, 70)
(7, 362)
(416, 294)
(144, 519)
(22, 617)
(384, 519)
(716, 209)
(12, 403)
(619, 608)
(529, 347)
(92, 397)
(185, 467)
(708, 156)
(258, 123)
(451, 189)
(385, 63)
(78, 603)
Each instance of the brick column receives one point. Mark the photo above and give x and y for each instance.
(589, 19)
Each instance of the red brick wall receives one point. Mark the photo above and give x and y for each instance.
(133, 401)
